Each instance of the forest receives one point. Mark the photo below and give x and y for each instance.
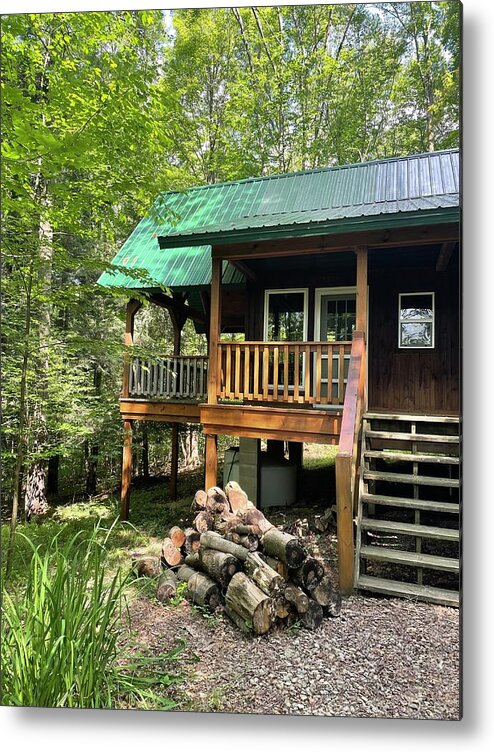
(100, 113)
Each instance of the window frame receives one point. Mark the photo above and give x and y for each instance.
(282, 291)
(427, 320)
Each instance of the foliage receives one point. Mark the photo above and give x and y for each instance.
(102, 111)
(64, 636)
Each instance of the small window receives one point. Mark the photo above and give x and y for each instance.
(416, 320)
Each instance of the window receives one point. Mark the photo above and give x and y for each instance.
(416, 320)
(285, 316)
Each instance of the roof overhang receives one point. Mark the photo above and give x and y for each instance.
(399, 220)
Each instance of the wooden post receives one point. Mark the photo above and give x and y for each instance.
(211, 474)
(296, 453)
(214, 330)
(126, 470)
(361, 317)
(344, 516)
(132, 308)
(177, 323)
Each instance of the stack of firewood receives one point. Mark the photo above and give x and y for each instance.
(233, 558)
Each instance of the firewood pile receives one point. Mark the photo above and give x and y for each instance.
(235, 560)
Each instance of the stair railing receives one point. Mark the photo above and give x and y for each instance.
(347, 459)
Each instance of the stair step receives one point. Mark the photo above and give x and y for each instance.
(405, 528)
(416, 437)
(409, 590)
(421, 505)
(409, 558)
(439, 459)
(416, 480)
(413, 418)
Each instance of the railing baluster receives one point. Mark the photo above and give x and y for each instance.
(246, 390)
(237, 372)
(285, 372)
(265, 371)
(275, 372)
(308, 390)
(256, 372)
(296, 373)
(228, 369)
(318, 373)
(341, 375)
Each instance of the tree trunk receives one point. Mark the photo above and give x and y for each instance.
(171, 554)
(309, 574)
(261, 573)
(52, 479)
(215, 541)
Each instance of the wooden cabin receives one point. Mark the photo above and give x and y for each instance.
(345, 284)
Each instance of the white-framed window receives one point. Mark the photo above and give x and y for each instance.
(416, 320)
(285, 315)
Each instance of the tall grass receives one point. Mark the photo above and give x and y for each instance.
(63, 637)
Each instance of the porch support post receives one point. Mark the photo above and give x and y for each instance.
(177, 323)
(211, 474)
(126, 470)
(344, 522)
(132, 308)
(361, 317)
(214, 330)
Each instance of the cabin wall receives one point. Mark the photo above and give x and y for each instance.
(414, 380)
(398, 379)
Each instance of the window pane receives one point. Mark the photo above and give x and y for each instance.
(416, 307)
(286, 316)
(417, 334)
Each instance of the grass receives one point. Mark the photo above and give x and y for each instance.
(65, 634)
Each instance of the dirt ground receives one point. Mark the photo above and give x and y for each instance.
(382, 657)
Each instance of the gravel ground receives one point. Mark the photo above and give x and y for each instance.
(381, 658)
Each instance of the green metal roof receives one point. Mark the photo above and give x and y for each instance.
(418, 189)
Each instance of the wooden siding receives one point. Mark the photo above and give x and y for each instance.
(414, 380)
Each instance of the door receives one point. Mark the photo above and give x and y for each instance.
(334, 322)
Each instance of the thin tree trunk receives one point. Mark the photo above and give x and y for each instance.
(21, 437)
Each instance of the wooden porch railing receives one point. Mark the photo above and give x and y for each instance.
(184, 377)
(347, 458)
(289, 372)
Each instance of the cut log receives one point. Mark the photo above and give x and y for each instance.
(334, 606)
(213, 540)
(170, 554)
(256, 517)
(250, 542)
(167, 586)
(322, 522)
(250, 603)
(200, 500)
(278, 565)
(203, 521)
(146, 566)
(201, 589)
(282, 607)
(193, 560)
(312, 618)
(283, 546)
(216, 501)
(238, 620)
(233, 537)
(322, 592)
(192, 540)
(297, 597)
(223, 522)
(309, 574)
(242, 529)
(269, 581)
(236, 496)
(220, 566)
(177, 536)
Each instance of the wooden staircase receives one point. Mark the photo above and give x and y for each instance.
(408, 509)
